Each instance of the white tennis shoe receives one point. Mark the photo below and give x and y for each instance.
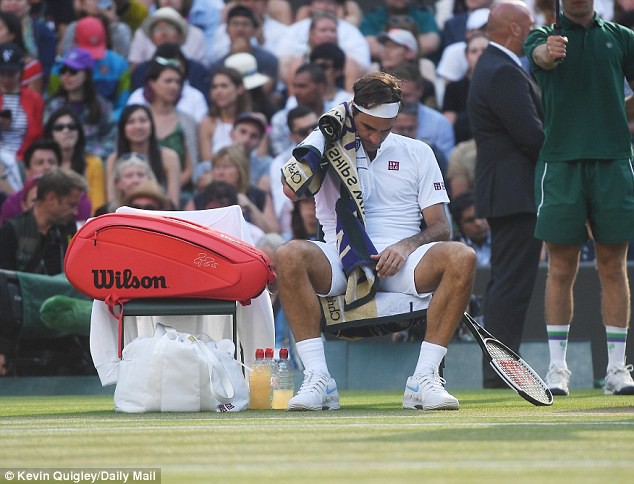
(558, 380)
(618, 381)
(426, 391)
(318, 392)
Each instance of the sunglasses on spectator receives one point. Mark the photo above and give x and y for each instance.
(61, 127)
(68, 70)
(168, 62)
(132, 155)
(305, 131)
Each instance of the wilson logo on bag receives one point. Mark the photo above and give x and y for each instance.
(117, 257)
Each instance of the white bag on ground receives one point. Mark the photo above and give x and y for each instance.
(177, 372)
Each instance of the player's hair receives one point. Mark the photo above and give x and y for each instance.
(375, 89)
(60, 181)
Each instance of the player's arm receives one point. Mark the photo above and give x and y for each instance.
(392, 258)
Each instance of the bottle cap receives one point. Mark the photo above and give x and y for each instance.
(259, 354)
(268, 353)
(284, 354)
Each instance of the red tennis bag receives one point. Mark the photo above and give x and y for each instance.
(117, 257)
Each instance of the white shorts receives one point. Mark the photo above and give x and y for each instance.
(402, 281)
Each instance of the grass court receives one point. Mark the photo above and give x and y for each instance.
(496, 436)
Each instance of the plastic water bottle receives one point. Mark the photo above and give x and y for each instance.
(269, 353)
(285, 387)
(260, 383)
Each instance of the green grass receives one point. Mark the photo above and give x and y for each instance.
(495, 437)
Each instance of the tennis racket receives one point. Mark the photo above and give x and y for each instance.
(515, 372)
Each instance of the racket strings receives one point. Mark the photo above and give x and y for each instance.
(518, 372)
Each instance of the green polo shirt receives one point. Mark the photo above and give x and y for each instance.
(583, 97)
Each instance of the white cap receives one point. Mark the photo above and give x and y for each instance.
(478, 19)
(400, 37)
(247, 66)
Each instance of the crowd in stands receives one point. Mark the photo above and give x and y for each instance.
(194, 104)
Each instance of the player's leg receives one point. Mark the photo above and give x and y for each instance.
(447, 269)
(303, 271)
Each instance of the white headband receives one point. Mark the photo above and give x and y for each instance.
(386, 111)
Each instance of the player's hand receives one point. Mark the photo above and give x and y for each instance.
(391, 259)
(556, 47)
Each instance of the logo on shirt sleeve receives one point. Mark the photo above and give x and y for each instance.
(439, 185)
(393, 165)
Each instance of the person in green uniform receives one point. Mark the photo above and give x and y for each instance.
(584, 181)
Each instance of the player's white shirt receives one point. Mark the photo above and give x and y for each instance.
(404, 178)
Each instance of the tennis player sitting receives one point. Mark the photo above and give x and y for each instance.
(372, 188)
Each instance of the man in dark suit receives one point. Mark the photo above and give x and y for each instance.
(506, 116)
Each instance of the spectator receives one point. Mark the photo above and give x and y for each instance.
(455, 98)
(136, 133)
(228, 98)
(455, 28)
(310, 86)
(65, 127)
(401, 14)
(148, 195)
(505, 111)
(130, 170)
(461, 168)
(42, 156)
(36, 240)
(166, 25)
(77, 90)
(231, 165)
(249, 132)
(11, 32)
(207, 16)
(433, 127)
(472, 230)
(254, 82)
(453, 64)
(271, 33)
(349, 38)
(347, 10)
(111, 73)
(174, 129)
(241, 27)
(585, 176)
(332, 60)
(195, 89)
(21, 108)
(119, 33)
(304, 221)
(400, 47)
(38, 38)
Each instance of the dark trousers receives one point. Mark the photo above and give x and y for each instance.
(514, 262)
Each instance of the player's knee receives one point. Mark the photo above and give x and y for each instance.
(290, 256)
(463, 259)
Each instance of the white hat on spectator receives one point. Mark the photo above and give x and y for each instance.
(400, 37)
(165, 14)
(247, 66)
(478, 19)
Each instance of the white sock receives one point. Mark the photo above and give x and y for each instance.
(311, 352)
(558, 343)
(430, 357)
(616, 345)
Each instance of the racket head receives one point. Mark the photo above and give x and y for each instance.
(517, 373)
